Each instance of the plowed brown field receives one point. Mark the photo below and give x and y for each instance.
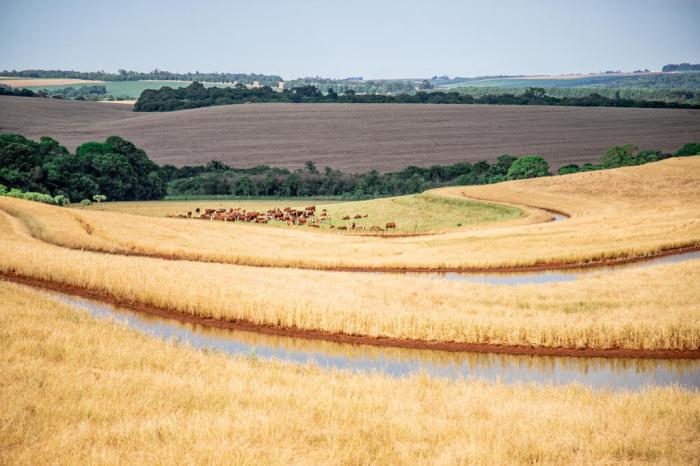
(355, 137)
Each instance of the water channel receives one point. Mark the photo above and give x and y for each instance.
(611, 373)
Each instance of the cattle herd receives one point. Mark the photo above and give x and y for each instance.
(306, 216)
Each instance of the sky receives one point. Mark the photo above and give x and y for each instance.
(373, 39)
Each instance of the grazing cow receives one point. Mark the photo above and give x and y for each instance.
(343, 227)
(357, 216)
(390, 225)
(347, 217)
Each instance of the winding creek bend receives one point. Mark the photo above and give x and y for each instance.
(604, 373)
(553, 276)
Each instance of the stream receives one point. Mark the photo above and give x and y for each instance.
(602, 373)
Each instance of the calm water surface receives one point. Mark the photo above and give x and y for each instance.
(594, 372)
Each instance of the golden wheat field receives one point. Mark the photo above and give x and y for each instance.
(77, 390)
(615, 214)
(602, 311)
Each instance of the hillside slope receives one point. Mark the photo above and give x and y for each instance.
(355, 137)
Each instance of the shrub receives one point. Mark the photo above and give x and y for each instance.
(59, 200)
(566, 169)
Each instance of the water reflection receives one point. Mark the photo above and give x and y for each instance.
(530, 278)
(595, 372)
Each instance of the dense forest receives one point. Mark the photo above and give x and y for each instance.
(155, 75)
(196, 95)
(118, 170)
(115, 168)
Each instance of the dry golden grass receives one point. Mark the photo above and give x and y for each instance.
(81, 391)
(626, 212)
(618, 310)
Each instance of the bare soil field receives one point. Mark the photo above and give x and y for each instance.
(21, 82)
(355, 137)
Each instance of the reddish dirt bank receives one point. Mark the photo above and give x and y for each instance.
(354, 339)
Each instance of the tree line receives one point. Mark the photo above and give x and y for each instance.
(216, 178)
(155, 75)
(117, 170)
(681, 67)
(196, 95)
(630, 93)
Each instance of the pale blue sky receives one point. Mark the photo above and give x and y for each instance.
(350, 38)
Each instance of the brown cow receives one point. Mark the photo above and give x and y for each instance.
(343, 227)
(390, 225)
(357, 216)
(347, 217)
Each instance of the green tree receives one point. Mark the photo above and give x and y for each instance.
(310, 166)
(692, 148)
(99, 198)
(529, 166)
(571, 168)
(619, 156)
